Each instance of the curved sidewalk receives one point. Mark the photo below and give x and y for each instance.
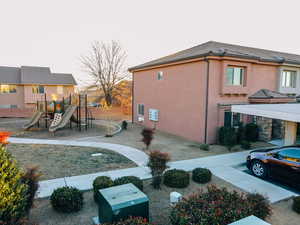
(135, 155)
(225, 166)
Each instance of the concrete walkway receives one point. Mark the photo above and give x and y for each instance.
(135, 155)
(226, 166)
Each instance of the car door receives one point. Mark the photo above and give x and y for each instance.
(277, 167)
(294, 174)
(285, 165)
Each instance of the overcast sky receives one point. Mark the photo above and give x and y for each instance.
(55, 33)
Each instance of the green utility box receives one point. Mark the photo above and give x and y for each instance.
(120, 202)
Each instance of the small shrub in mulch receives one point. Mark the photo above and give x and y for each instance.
(296, 204)
(100, 183)
(176, 178)
(204, 147)
(245, 144)
(158, 164)
(129, 179)
(124, 125)
(131, 221)
(251, 132)
(147, 134)
(201, 175)
(218, 206)
(67, 199)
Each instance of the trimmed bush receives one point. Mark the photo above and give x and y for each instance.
(158, 164)
(204, 147)
(67, 199)
(13, 191)
(261, 206)
(227, 137)
(245, 144)
(251, 132)
(131, 221)
(129, 179)
(201, 175)
(147, 134)
(176, 178)
(100, 183)
(217, 206)
(296, 204)
(240, 134)
(124, 125)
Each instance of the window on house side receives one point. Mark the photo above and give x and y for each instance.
(231, 119)
(160, 75)
(288, 79)
(141, 109)
(38, 89)
(235, 76)
(7, 88)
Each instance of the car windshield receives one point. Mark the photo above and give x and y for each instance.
(291, 154)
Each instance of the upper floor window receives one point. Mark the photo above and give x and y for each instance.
(235, 76)
(7, 88)
(141, 109)
(160, 75)
(38, 89)
(288, 79)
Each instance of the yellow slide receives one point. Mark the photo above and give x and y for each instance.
(35, 118)
(64, 119)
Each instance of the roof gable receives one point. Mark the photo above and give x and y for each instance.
(34, 75)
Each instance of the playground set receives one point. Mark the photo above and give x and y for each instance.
(56, 115)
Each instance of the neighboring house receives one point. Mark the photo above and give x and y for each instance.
(190, 93)
(22, 87)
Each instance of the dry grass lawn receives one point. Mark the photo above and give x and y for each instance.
(57, 161)
(159, 207)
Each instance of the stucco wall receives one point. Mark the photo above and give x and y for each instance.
(179, 97)
(257, 77)
(13, 98)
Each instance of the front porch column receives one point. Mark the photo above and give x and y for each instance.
(290, 133)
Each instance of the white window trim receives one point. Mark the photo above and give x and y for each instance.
(243, 77)
(289, 90)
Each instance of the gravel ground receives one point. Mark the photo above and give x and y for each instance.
(159, 207)
(57, 161)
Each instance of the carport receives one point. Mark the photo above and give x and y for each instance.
(289, 113)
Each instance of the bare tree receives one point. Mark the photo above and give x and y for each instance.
(105, 64)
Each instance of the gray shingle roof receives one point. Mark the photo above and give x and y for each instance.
(10, 75)
(34, 75)
(268, 94)
(213, 48)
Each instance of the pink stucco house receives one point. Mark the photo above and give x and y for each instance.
(21, 87)
(190, 93)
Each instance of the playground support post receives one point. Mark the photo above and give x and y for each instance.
(46, 111)
(86, 116)
(79, 110)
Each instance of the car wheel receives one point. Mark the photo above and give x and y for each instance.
(259, 169)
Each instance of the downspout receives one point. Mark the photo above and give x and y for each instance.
(132, 100)
(206, 100)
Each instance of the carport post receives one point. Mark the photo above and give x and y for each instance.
(290, 133)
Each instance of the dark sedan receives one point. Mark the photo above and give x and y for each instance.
(279, 163)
